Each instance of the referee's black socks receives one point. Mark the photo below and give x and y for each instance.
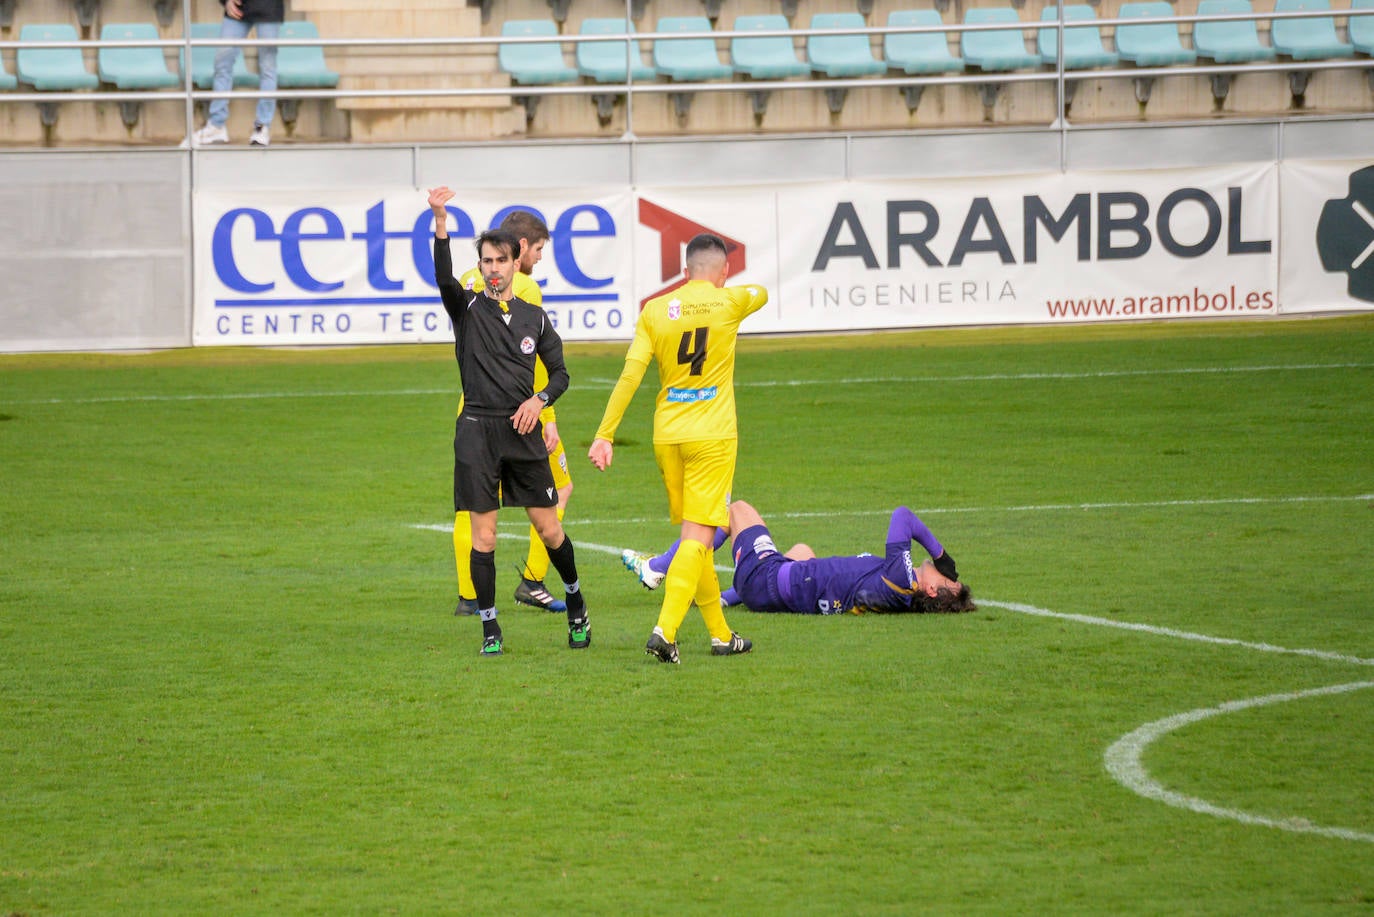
(565, 563)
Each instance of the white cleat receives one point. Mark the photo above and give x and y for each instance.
(638, 564)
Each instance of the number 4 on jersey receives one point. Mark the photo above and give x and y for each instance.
(692, 349)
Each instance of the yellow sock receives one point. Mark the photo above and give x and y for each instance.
(537, 561)
(680, 586)
(462, 555)
(708, 601)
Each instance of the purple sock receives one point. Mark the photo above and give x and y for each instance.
(661, 563)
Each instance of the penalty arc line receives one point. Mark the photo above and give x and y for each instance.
(1123, 763)
(1123, 758)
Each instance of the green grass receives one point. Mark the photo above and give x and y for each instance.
(231, 682)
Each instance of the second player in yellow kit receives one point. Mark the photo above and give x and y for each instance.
(690, 332)
(533, 234)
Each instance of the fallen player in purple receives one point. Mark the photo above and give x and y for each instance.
(799, 582)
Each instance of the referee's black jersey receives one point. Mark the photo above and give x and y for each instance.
(496, 344)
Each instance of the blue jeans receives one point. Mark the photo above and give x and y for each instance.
(224, 69)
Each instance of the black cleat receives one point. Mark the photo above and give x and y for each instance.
(466, 607)
(580, 633)
(491, 646)
(736, 646)
(532, 592)
(661, 649)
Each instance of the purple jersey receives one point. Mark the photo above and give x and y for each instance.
(863, 583)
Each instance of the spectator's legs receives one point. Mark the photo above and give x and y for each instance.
(267, 71)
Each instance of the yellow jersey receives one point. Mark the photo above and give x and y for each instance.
(523, 287)
(691, 332)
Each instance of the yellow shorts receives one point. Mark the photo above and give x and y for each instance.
(698, 477)
(558, 463)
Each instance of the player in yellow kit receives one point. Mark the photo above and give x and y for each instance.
(691, 333)
(533, 235)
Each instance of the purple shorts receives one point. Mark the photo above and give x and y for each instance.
(759, 566)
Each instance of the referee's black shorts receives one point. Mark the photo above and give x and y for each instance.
(494, 466)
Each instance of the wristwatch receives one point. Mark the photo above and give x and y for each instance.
(543, 396)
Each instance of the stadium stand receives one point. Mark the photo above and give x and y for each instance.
(1306, 39)
(1150, 44)
(916, 53)
(840, 56)
(995, 51)
(1230, 42)
(301, 66)
(540, 63)
(133, 68)
(203, 61)
(687, 60)
(765, 57)
(610, 61)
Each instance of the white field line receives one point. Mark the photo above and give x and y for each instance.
(1123, 763)
(1123, 758)
(1029, 508)
(608, 383)
(1176, 634)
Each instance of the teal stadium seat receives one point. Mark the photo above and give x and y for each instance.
(1151, 44)
(999, 51)
(842, 55)
(918, 52)
(1307, 39)
(688, 60)
(768, 58)
(1362, 30)
(52, 68)
(534, 63)
(303, 66)
(133, 68)
(764, 58)
(1233, 42)
(1083, 48)
(203, 61)
(608, 61)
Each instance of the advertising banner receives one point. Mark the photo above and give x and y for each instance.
(337, 267)
(334, 267)
(1006, 250)
(1328, 236)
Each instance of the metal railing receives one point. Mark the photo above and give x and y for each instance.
(632, 88)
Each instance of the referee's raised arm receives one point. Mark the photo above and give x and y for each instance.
(450, 291)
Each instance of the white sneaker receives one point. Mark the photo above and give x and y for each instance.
(210, 133)
(262, 135)
(638, 564)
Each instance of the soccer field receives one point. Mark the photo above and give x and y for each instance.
(231, 680)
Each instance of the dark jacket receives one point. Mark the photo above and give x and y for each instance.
(255, 11)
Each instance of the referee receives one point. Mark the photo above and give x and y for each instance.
(499, 455)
